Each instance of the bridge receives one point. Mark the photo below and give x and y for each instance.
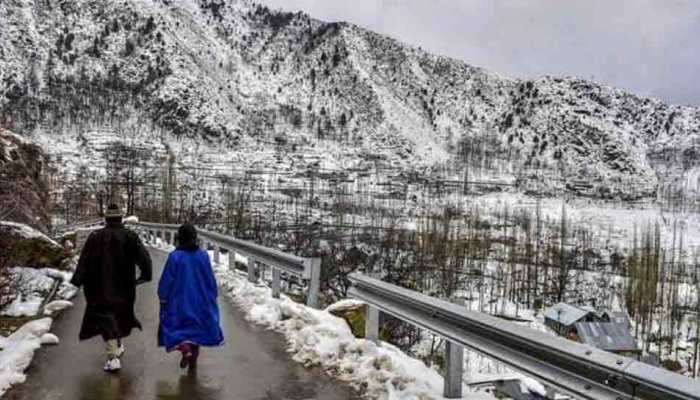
(255, 364)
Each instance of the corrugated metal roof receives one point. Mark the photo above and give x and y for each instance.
(619, 317)
(565, 314)
(609, 336)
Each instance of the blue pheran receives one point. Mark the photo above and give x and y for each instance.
(188, 292)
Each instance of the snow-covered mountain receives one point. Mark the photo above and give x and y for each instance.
(235, 74)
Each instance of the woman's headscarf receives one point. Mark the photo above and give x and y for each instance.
(187, 238)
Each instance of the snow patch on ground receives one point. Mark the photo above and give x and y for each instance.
(18, 350)
(32, 286)
(23, 306)
(317, 338)
(347, 303)
(56, 305)
(49, 339)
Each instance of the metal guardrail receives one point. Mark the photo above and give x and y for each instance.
(307, 269)
(563, 366)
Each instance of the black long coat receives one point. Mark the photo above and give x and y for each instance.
(107, 271)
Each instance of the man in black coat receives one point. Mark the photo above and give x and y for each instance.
(107, 272)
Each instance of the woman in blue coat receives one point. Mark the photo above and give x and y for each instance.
(189, 315)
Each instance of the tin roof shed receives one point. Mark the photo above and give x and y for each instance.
(566, 314)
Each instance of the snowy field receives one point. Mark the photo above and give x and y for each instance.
(612, 222)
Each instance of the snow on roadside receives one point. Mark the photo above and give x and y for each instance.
(49, 339)
(32, 286)
(23, 306)
(317, 338)
(56, 305)
(18, 350)
(66, 290)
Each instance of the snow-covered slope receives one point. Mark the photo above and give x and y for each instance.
(237, 74)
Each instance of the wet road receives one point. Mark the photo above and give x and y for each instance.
(252, 365)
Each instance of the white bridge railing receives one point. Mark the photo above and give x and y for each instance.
(563, 366)
(306, 269)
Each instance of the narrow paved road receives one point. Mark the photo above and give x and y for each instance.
(252, 365)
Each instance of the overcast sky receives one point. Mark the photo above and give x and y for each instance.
(650, 47)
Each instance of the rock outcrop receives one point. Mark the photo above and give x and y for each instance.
(24, 189)
(23, 246)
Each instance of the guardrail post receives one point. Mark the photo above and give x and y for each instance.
(252, 277)
(161, 233)
(231, 259)
(454, 359)
(454, 363)
(314, 282)
(371, 323)
(275, 282)
(217, 253)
